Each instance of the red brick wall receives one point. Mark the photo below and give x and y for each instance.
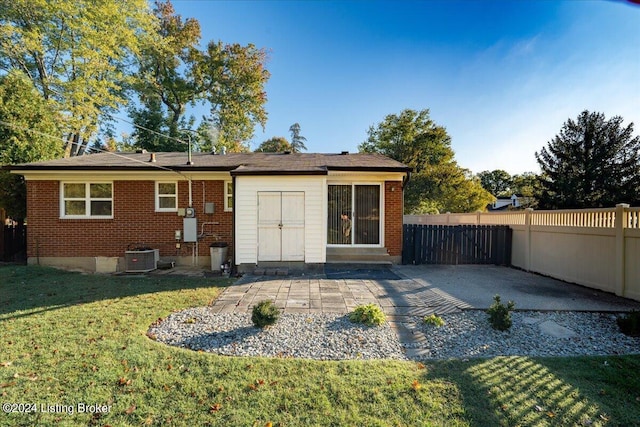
(393, 217)
(134, 221)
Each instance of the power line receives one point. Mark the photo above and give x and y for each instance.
(12, 125)
(148, 130)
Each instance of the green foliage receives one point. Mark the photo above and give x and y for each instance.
(76, 54)
(265, 313)
(175, 73)
(592, 162)
(277, 144)
(297, 140)
(500, 314)
(369, 314)
(434, 320)
(497, 182)
(27, 120)
(415, 140)
(500, 184)
(629, 324)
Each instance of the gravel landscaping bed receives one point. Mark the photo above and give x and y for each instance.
(317, 336)
(469, 334)
(333, 337)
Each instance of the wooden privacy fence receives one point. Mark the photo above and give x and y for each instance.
(14, 242)
(456, 244)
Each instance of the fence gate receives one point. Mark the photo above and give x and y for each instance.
(456, 244)
(14, 242)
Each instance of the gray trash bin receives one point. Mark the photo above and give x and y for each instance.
(218, 252)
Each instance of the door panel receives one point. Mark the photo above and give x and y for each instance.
(340, 209)
(292, 237)
(367, 215)
(353, 214)
(281, 226)
(269, 226)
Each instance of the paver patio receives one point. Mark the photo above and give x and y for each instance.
(417, 291)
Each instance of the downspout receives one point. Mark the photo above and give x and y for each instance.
(234, 269)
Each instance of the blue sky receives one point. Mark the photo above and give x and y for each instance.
(501, 76)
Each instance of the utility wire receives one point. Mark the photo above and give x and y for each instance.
(14, 126)
(148, 130)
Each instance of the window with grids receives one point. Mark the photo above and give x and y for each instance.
(166, 196)
(87, 200)
(228, 195)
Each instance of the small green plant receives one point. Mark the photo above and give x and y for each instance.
(369, 314)
(629, 324)
(500, 314)
(434, 320)
(265, 313)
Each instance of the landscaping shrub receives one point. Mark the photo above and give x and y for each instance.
(434, 320)
(500, 314)
(265, 313)
(369, 314)
(629, 324)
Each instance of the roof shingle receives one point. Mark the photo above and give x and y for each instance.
(236, 163)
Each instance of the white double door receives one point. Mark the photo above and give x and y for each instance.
(281, 226)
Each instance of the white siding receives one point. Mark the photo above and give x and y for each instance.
(246, 223)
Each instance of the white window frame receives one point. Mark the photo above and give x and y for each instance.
(86, 199)
(228, 196)
(158, 195)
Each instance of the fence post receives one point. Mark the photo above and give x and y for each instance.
(527, 239)
(620, 225)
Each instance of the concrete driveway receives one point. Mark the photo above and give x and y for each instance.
(476, 285)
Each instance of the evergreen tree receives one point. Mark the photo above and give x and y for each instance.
(593, 162)
(297, 140)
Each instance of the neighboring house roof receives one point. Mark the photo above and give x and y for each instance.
(235, 163)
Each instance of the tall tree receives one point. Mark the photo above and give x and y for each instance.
(28, 132)
(497, 182)
(277, 144)
(297, 140)
(176, 73)
(593, 162)
(437, 183)
(76, 54)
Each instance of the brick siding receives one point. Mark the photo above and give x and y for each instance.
(393, 217)
(135, 221)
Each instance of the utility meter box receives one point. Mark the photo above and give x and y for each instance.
(190, 230)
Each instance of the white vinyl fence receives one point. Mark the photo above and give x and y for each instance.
(598, 248)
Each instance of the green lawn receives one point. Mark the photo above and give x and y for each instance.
(68, 339)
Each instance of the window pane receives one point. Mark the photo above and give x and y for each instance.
(100, 191)
(75, 207)
(74, 191)
(230, 202)
(167, 202)
(100, 208)
(167, 188)
(367, 219)
(339, 220)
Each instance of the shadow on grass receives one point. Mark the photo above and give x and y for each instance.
(39, 289)
(521, 391)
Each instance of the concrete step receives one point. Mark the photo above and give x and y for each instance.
(357, 255)
(358, 265)
(354, 250)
